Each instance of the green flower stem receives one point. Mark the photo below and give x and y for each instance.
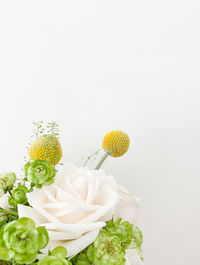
(9, 212)
(102, 160)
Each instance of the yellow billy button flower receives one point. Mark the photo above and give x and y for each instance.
(115, 144)
(47, 148)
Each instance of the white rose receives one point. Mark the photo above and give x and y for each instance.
(128, 207)
(74, 208)
(132, 257)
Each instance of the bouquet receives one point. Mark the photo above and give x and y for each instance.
(59, 214)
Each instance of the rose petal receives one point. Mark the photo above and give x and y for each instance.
(132, 257)
(26, 211)
(128, 207)
(75, 246)
(4, 202)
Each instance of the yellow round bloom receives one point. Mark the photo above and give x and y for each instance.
(116, 143)
(46, 147)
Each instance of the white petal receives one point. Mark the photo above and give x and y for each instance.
(4, 202)
(75, 246)
(26, 211)
(128, 207)
(71, 231)
(132, 257)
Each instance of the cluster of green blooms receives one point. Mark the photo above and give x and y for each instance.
(7, 180)
(130, 235)
(39, 173)
(110, 245)
(18, 196)
(20, 241)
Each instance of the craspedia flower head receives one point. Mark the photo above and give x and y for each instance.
(46, 147)
(116, 143)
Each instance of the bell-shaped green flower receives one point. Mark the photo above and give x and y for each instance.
(20, 241)
(39, 173)
(18, 196)
(7, 181)
(106, 250)
(123, 230)
(56, 257)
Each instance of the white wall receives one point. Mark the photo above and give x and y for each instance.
(95, 66)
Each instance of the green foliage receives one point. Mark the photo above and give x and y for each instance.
(38, 128)
(93, 155)
(3, 220)
(20, 241)
(39, 173)
(18, 196)
(53, 128)
(106, 250)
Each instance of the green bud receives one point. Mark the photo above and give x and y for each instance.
(7, 181)
(59, 252)
(106, 250)
(39, 173)
(56, 257)
(20, 241)
(18, 196)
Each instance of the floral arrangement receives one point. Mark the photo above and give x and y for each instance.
(59, 214)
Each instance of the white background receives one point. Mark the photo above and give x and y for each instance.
(95, 66)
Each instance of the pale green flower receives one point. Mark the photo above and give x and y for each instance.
(18, 196)
(123, 230)
(7, 181)
(20, 241)
(39, 173)
(106, 250)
